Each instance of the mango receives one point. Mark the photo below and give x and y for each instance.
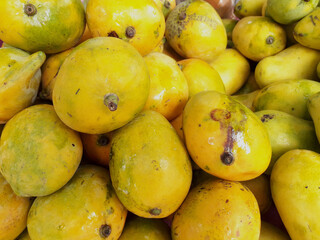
(307, 30)
(295, 62)
(20, 76)
(233, 68)
(217, 209)
(287, 132)
(246, 8)
(270, 232)
(249, 86)
(93, 94)
(224, 137)
(289, 11)
(147, 157)
(246, 99)
(313, 108)
(39, 154)
(195, 30)
(295, 188)
(177, 125)
(142, 228)
(13, 211)
(86, 208)
(168, 86)
(140, 22)
(287, 96)
(165, 6)
(229, 25)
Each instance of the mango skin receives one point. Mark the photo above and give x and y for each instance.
(287, 132)
(217, 209)
(246, 8)
(295, 190)
(13, 212)
(295, 62)
(165, 6)
(142, 228)
(80, 210)
(81, 85)
(250, 85)
(195, 30)
(289, 11)
(246, 99)
(257, 37)
(149, 144)
(313, 108)
(233, 68)
(39, 154)
(307, 30)
(270, 232)
(287, 96)
(223, 137)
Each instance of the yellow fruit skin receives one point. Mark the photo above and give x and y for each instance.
(224, 137)
(195, 30)
(94, 70)
(246, 99)
(149, 166)
(201, 76)
(165, 6)
(86, 208)
(295, 62)
(19, 80)
(13, 212)
(217, 209)
(287, 96)
(313, 108)
(112, 18)
(177, 124)
(233, 68)
(258, 37)
(246, 8)
(142, 228)
(39, 154)
(307, 30)
(50, 70)
(168, 86)
(270, 232)
(56, 26)
(295, 190)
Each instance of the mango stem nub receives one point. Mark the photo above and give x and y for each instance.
(105, 231)
(270, 40)
(130, 32)
(111, 101)
(30, 9)
(166, 4)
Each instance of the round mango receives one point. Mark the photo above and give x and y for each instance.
(225, 138)
(39, 154)
(42, 25)
(101, 86)
(86, 208)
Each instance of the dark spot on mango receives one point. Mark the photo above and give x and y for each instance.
(306, 186)
(206, 168)
(182, 16)
(30, 9)
(227, 158)
(73, 145)
(155, 211)
(239, 7)
(267, 117)
(311, 18)
(220, 114)
(69, 114)
(199, 125)
(270, 40)
(130, 32)
(110, 210)
(241, 189)
(113, 34)
(77, 91)
(227, 200)
(292, 109)
(111, 100)
(103, 140)
(105, 231)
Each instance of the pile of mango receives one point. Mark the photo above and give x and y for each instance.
(159, 119)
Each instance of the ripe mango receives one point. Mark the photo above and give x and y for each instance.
(313, 108)
(245, 8)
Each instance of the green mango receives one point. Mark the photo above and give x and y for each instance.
(246, 99)
(289, 11)
(307, 30)
(295, 62)
(287, 96)
(229, 25)
(287, 132)
(313, 107)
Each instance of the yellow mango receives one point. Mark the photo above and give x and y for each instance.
(258, 37)
(307, 30)
(168, 86)
(194, 30)
(201, 76)
(295, 62)
(39, 154)
(217, 209)
(86, 208)
(287, 96)
(177, 124)
(246, 8)
(246, 99)
(313, 108)
(233, 68)
(149, 166)
(20, 76)
(142, 228)
(101, 86)
(250, 85)
(165, 6)
(13, 212)
(295, 187)
(224, 137)
(270, 232)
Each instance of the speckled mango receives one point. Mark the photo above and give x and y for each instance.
(217, 209)
(101, 86)
(195, 30)
(20, 76)
(39, 154)
(295, 188)
(149, 166)
(86, 208)
(13, 212)
(224, 137)
(313, 108)
(270, 232)
(287, 96)
(42, 25)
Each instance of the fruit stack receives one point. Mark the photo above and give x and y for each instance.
(157, 119)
